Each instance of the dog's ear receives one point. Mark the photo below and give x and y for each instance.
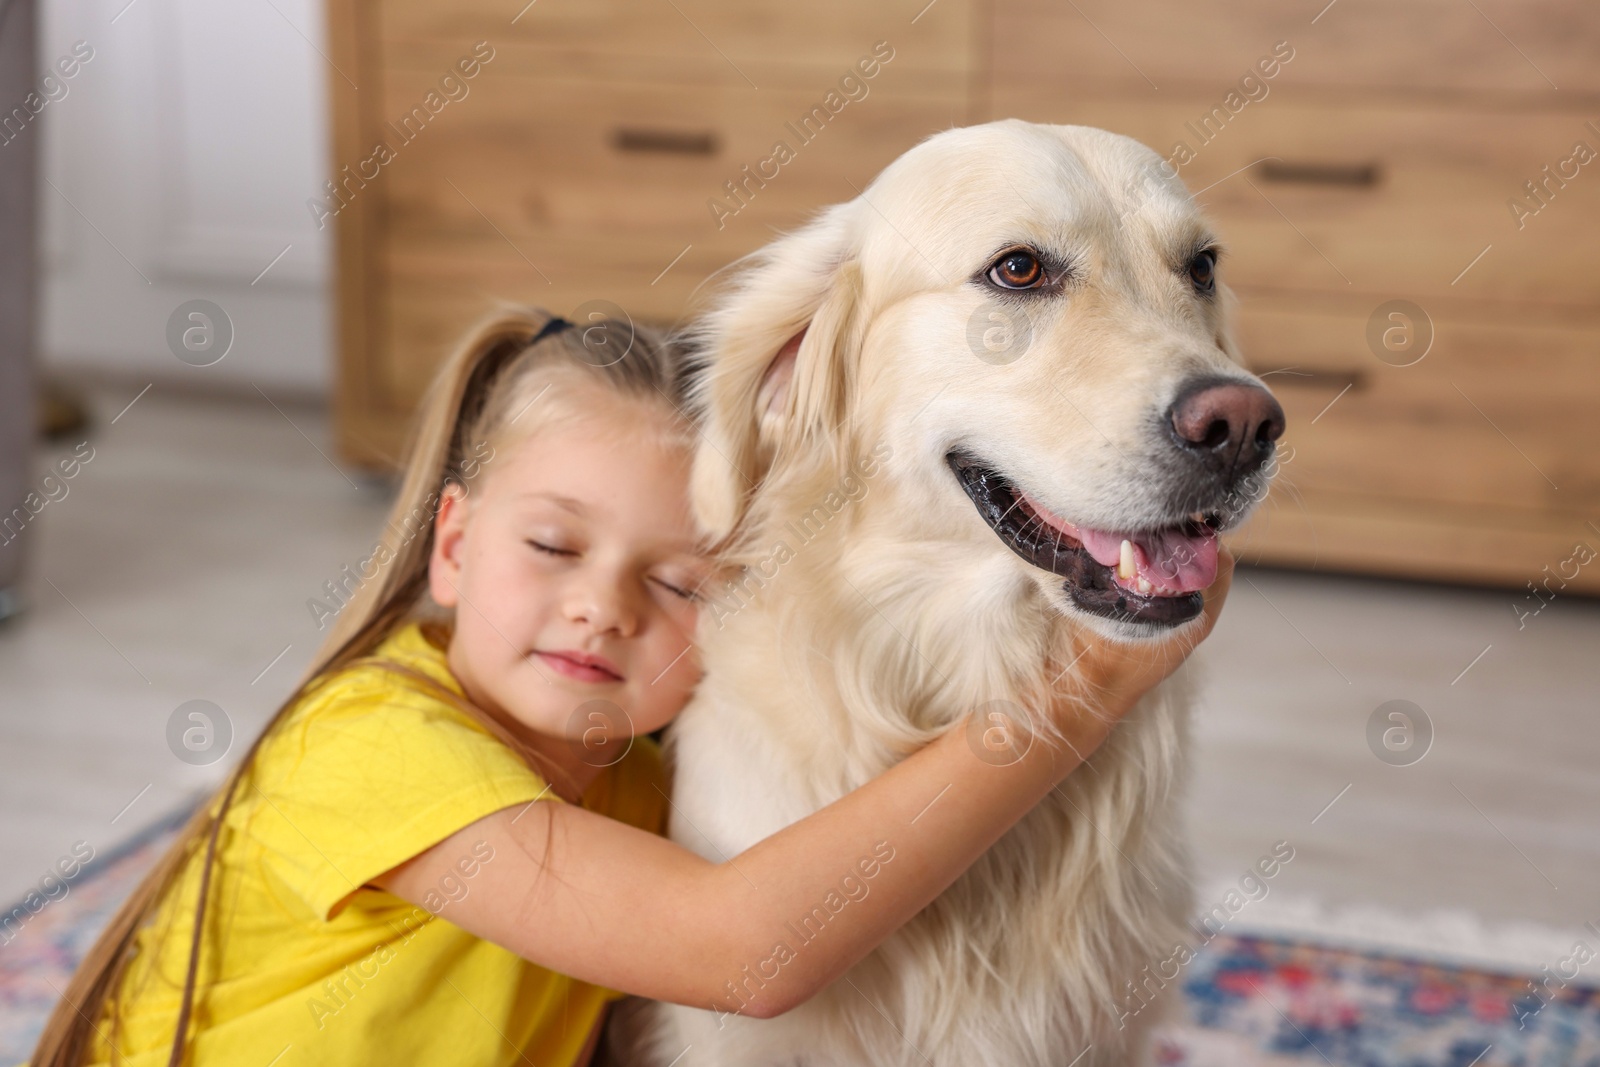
(779, 351)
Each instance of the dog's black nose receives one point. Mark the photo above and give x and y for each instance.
(1228, 425)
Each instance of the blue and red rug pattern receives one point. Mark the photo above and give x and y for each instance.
(1269, 1002)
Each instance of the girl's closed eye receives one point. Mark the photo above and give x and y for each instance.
(685, 574)
(680, 588)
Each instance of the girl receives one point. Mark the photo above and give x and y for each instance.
(444, 847)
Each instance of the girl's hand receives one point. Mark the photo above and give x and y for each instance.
(1115, 674)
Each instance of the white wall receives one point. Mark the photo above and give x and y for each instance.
(190, 141)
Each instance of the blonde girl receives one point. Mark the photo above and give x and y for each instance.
(445, 847)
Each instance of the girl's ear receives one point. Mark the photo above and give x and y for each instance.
(780, 353)
(444, 561)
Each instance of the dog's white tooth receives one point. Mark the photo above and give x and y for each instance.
(1127, 567)
(1143, 586)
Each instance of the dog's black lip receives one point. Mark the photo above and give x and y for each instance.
(1088, 582)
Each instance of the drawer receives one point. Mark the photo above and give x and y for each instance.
(557, 191)
(541, 157)
(1494, 417)
(1396, 200)
(1049, 49)
(754, 44)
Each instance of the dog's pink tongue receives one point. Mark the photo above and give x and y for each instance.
(1167, 558)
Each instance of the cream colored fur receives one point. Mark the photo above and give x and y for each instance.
(905, 611)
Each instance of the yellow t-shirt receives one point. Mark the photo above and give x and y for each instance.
(301, 963)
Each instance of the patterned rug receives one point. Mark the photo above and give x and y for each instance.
(38, 959)
(1266, 1002)
(1251, 1002)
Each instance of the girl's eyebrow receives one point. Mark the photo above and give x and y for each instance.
(577, 507)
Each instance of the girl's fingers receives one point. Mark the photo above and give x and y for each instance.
(1119, 673)
(1135, 668)
(1215, 595)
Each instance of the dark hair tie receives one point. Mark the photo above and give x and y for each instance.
(555, 325)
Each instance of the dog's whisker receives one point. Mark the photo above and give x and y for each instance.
(1016, 502)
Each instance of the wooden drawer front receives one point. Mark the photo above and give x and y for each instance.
(542, 156)
(1049, 48)
(1435, 196)
(754, 43)
(1495, 416)
(560, 192)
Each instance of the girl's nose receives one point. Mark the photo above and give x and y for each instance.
(603, 604)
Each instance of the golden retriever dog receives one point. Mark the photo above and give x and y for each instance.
(955, 429)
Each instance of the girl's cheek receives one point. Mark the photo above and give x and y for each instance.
(688, 614)
(691, 669)
(675, 667)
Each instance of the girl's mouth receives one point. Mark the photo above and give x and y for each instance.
(579, 666)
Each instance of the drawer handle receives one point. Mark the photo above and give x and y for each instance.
(1352, 174)
(670, 142)
(1316, 379)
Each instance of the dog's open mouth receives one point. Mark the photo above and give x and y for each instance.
(1148, 576)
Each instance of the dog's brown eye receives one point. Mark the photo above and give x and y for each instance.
(1203, 270)
(1017, 270)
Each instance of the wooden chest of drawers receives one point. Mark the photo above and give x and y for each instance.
(1437, 347)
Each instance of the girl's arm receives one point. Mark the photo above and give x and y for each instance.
(614, 905)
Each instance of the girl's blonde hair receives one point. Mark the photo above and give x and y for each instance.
(515, 371)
